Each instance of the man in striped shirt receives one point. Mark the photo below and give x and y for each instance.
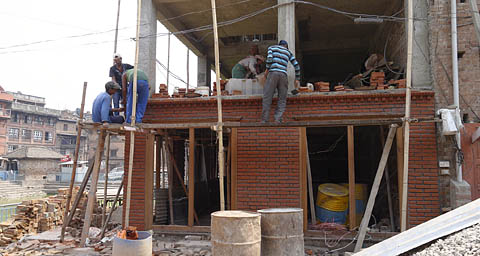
(277, 63)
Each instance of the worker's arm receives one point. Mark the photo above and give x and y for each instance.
(251, 65)
(105, 111)
(296, 66)
(269, 58)
(124, 89)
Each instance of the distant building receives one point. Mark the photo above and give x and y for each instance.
(30, 123)
(5, 114)
(66, 132)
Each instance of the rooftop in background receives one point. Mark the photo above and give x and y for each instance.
(28, 99)
(39, 110)
(33, 152)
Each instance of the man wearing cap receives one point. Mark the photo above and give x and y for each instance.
(277, 62)
(101, 109)
(142, 94)
(247, 67)
(116, 72)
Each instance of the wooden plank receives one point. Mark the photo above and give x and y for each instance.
(310, 188)
(191, 176)
(303, 174)
(158, 162)
(351, 177)
(375, 187)
(400, 141)
(93, 189)
(102, 233)
(476, 18)
(75, 161)
(229, 175)
(234, 168)
(105, 184)
(387, 182)
(149, 155)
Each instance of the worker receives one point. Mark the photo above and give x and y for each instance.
(277, 63)
(116, 72)
(247, 68)
(142, 94)
(101, 109)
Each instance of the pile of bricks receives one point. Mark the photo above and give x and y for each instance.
(402, 83)
(163, 92)
(377, 79)
(222, 88)
(339, 87)
(322, 86)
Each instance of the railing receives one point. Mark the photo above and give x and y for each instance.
(35, 109)
(7, 211)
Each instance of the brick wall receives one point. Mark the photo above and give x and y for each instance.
(268, 164)
(268, 173)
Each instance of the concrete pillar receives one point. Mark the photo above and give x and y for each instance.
(286, 31)
(148, 42)
(204, 71)
(460, 193)
(421, 69)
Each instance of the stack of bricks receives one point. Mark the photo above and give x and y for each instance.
(339, 87)
(378, 79)
(222, 88)
(163, 92)
(36, 216)
(322, 86)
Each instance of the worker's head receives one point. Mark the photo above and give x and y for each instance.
(112, 87)
(117, 58)
(260, 59)
(283, 43)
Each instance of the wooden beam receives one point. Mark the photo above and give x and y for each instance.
(93, 189)
(387, 182)
(229, 175)
(310, 187)
(102, 233)
(191, 176)
(400, 141)
(168, 159)
(303, 174)
(375, 187)
(149, 155)
(158, 162)
(234, 168)
(105, 183)
(351, 177)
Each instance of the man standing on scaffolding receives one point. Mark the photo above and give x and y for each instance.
(142, 94)
(277, 62)
(101, 109)
(116, 72)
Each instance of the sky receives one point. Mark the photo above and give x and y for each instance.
(50, 48)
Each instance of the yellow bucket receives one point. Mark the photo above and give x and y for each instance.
(332, 197)
(361, 191)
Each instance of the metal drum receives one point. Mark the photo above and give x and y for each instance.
(235, 233)
(282, 232)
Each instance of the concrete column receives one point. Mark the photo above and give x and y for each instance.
(286, 31)
(148, 42)
(421, 69)
(203, 77)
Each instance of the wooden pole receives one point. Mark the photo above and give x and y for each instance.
(116, 29)
(351, 177)
(67, 221)
(168, 62)
(133, 118)
(170, 180)
(399, 139)
(105, 185)
(188, 69)
(375, 186)
(164, 165)
(387, 182)
(93, 188)
(191, 176)
(221, 160)
(406, 124)
(75, 161)
(310, 187)
(229, 178)
(104, 227)
(158, 162)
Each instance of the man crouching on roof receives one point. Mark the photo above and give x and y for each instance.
(102, 111)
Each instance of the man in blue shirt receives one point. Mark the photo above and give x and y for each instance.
(101, 109)
(116, 72)
(277, 62)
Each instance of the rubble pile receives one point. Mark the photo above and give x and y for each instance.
(36, 216)
(465, 242)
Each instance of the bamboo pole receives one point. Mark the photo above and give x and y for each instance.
(116, 29)
(105, 183)
(406, 122)
(168, 62)
(188, 69)
(221, 160)
(75, 161)
(104, 227)
(158, 162)
(133, 117)
(170, 180)
(93, 189)
(387, 182)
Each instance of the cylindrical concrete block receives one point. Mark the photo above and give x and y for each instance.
(282, 232)
(235, 233)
